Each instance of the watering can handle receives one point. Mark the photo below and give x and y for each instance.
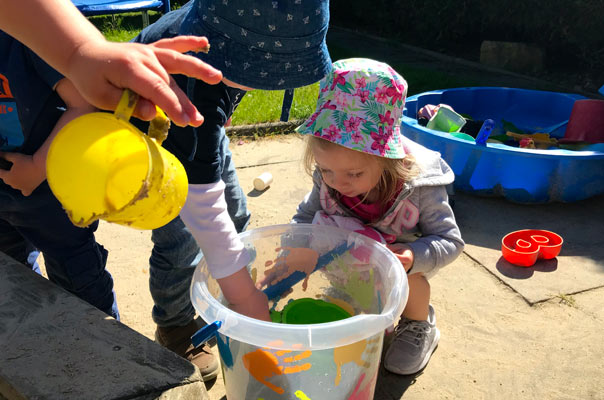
(158, 127)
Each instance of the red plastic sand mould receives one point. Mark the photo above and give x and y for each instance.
(525, 247)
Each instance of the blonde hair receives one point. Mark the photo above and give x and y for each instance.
(395, 171)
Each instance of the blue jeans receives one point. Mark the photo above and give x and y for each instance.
(74, 260)
(175, 253)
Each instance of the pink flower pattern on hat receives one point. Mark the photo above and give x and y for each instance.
(352, 124)
(360, 106)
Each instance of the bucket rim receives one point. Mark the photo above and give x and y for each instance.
(304, 336)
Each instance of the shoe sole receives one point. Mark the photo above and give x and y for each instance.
(424, 362)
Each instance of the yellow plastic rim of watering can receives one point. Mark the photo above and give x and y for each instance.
(100, 166)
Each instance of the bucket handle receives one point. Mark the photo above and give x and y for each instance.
(158, 127)
(205, 333)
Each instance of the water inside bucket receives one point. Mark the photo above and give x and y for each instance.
(335, 360)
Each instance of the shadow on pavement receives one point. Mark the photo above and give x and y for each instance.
(393, 386)
(484, 221)
(516, 272)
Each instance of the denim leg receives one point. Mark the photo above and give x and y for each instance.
(175, 253)
(74, 260)
(173, 260)
(235, 198)
(13, 244)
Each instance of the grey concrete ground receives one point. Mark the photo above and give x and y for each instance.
(507, 332)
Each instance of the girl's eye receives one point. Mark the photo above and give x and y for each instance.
(355, 175)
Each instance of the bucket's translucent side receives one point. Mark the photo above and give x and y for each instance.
(377, 290)
(335, 360)
(347, 372)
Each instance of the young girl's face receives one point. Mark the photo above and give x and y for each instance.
(348, 171)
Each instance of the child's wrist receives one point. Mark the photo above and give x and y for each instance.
(237, 287)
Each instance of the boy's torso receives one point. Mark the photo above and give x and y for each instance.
(28, 103)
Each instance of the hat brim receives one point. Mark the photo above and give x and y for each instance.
(396, 148)
(265, 70)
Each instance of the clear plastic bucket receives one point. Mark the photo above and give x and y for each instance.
(334, 360)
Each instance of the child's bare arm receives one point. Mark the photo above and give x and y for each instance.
(243, 296)
(27, 172)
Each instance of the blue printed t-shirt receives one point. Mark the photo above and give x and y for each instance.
(198, 149)
(29, 106)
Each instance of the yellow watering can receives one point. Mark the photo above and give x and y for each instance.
(100, 166)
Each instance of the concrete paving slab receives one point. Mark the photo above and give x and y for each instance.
(580, 266)
(271, 150)
(494, 344)
(55, 346)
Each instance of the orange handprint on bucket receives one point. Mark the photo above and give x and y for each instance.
(263, 364)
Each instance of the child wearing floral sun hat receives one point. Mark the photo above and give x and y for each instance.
(370, 179)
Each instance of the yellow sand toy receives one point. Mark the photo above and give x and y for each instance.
(100, 166)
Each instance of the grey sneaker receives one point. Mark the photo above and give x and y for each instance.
(412, 345)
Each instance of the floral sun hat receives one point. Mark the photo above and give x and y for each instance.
(360, 106)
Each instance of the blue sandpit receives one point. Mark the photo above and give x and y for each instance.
(518, 174)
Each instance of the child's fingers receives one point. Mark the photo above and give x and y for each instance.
(176, 63)
(153, 90)
(8, 156)
(144, 109)
(188, 114)
(183, 43)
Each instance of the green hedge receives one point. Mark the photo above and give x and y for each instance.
(571, 31)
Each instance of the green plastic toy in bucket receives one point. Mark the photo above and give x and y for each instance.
(338, 359)
(309, 311)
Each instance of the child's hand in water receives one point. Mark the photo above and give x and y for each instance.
(404, 254)
(255, 306)
(243, 296)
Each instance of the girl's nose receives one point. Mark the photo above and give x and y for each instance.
(339, 182)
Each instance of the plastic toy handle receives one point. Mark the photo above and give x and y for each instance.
(158, 127)
(126, 105)
(485, 131)
(280, 287)
(205, 333)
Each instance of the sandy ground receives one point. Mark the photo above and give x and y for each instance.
(495, 344)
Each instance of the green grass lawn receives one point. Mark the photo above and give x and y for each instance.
(265, 106)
